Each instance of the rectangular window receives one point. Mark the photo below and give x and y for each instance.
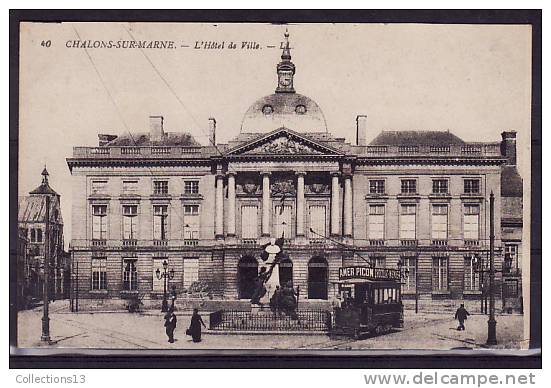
(407, 222)
(471, 220)
(376, 186)
(130, 187)
(99, 187)
(129, 275)
(36, 235)
(160, 222)
(440, 186)
(409, 267)
(191, 271)
(129, 221)
(191, 187)
(511, 263)
(249, 222)
(439, 273)
(99, 222)
(160, 187)
(471, 277)
(282, 221)
(191, 222)
(471, 186)
(376, 222)
(409, 186)
(439, 222)
(158, 284)
(378, 261)
(99, 273)
(318, 219)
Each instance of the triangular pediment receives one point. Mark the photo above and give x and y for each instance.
(283, 142)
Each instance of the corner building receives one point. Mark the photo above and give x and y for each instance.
(415, 200)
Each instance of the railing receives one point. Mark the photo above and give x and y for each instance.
(440, 242)
(376, 242)
(129, 243)
(133, 152)
(408, 243)
(249, 242)
(475, 149)
(191, 243)
(472, 243)
(99, 243)
(160, 243)
(305, 320)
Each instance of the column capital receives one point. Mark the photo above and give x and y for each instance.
(347, 175)
(300, 173)
(335, 173)
(231, 173)
(268, 173)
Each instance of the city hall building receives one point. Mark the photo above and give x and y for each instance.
(415, 201)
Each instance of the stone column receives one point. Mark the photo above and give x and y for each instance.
(230, 222)
(335, 216)
(348, 205)
(300, 203)
(219, 206)
(266, 204)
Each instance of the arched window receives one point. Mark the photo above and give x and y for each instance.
(317, 278)
(246, 274)
(285, 271)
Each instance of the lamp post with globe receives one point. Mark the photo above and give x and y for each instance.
(166, 275)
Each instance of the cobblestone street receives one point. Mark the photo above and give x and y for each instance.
(122, 330)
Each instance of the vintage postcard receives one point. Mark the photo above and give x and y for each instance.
(267, 186)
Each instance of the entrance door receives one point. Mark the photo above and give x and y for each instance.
(247, 272)
(285, 272)
(317, 278)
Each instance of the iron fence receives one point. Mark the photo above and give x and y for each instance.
(236, 320)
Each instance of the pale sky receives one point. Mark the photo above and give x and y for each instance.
(471, 79)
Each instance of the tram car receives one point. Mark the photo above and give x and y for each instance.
(369, 302)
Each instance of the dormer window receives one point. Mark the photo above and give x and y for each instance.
(267, 109)
(300, 109)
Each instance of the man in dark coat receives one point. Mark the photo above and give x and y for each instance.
(170, 325)
(461, 315)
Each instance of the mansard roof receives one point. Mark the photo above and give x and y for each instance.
(411, 138)
(143, 139)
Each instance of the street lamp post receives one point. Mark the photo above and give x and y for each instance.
(492, 340)
(404, 275)
(165, 275)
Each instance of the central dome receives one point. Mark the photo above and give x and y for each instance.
(284, 108)
(289, 110)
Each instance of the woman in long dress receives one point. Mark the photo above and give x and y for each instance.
(195, 326)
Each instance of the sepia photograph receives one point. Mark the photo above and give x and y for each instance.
(274, 187)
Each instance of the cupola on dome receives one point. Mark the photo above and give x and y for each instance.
(285, 107)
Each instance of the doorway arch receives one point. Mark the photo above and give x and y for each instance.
(285, 271)
(247, 271)
(318, 270)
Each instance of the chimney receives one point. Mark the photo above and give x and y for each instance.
(361, 130)
(212, 131)
(509, 147)
(156, 128)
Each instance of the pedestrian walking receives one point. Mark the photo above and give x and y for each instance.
(170, 324)
(195, 326)
(461, 315)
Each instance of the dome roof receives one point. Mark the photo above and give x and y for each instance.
(289, 110)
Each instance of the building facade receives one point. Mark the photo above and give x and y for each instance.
(32, 223)
(411, 200)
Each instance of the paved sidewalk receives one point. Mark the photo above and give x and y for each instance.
(123, 330)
